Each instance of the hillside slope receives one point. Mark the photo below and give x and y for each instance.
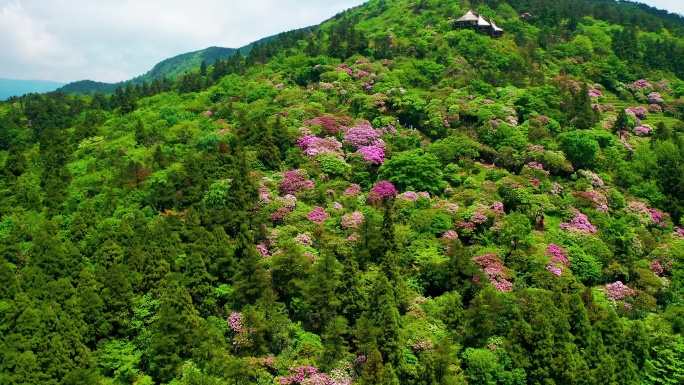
(381, 199)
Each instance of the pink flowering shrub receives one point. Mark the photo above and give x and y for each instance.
(235, 322)
(617, 291)
(478, 218)
(313, 146)
(263, 250)
(497, 208)
(352, 221)
(543, 119)
(608, 107)
(495, 270)
(382, 190)
(353, 190)
(328, 124)
(595, 94)
(592, 178)
(639, 85)
(655, 108)
(643, 130)
(264, 194)
(579, 222)
(304, 240)
(361, 135)
(537, 167)
(639, 111)
(409, 195)
(450, 235)
(337, 206)
(372, 154)
(208, 113)
(295, 181)
(318, 215)
(558, 259)
(654, 97)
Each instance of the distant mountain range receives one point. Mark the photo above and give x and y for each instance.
(14, 87)
(168, 68)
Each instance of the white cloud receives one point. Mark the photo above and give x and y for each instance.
(104, 40)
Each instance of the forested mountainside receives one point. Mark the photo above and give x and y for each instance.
(382, 199)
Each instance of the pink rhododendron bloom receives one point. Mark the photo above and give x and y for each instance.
(353, 190)
(318, 215)
(381, 191)
(279, 85)
(488, 101)
(655, 108)
(643, 130)
(450, 234)
(594, 93)
(639, 111)
(654, 97)
(495, 271)
(372, 154)
(618, 290)
(497, 207)
(479, 218)
(352, 221)
(208, 113)
(361, 135)
(263, 250)
(580, 222)
(409, 195)
(337, 206)
(608, 107)
(592, 178)
(304, 240)
(294, 181)
(543, 118)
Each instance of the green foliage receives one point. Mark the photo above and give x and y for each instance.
(191, 230)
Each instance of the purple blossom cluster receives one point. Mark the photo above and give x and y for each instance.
(639, 111)
(381, 191)
(318, 215)
(497, 208)
(450, 235)
(298, 375)
(289, 201)
(595, 94)
(618, 290)
(328, 124)
(372, 154)
(263, 250)
(624, 142)
(656, 215)
(488, 101)
(579, 222)
(558, 259)
(295, 181)
(313, 146)
(361, 135)
(361, 73)
(279, 85)
(608, 107)
(264, 194)
(353, 190)
(304, 240)
(337, 206)
(409, 195)
(419, 346)
(537, 166)
(679, 231)
(592, 178)
(235, 322)
(543, 119)
(660, 265)
(643, 130)
(280, 214)
(352, 220)
(639, 85)
(495, 270)
(479, 218)
(208, 113)
(655, 108)
(536, 147)
(654, 97)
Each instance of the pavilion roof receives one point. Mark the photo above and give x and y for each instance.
(469, 16)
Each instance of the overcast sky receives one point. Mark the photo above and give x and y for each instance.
(114, 40)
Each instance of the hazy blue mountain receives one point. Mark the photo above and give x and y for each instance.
(15, 87)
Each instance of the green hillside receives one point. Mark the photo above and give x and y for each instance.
(381, 199)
